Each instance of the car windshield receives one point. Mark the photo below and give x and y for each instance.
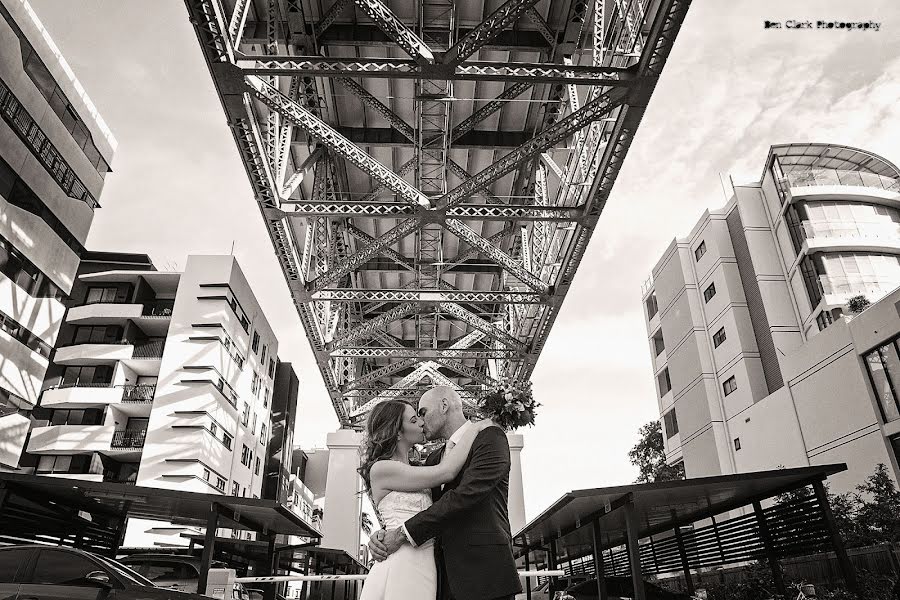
(123, 571)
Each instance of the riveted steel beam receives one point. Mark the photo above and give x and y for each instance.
(390, 68)
(422, 353)
(334, 141)
(413, 295)
(380, 322)
(476, 322)
(474, 212)
(395, 29)
(506, 15)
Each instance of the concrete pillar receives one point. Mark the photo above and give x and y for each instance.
(340, 526)
(516, 491)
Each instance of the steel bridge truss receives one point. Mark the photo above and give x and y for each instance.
(484, 312)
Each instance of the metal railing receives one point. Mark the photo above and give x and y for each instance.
(814, 177)
(138, 393)
(161, 308)
(153, 349)
(127, 438)
(851, 229)
(857, 284)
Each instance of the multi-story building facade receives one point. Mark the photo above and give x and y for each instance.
(163, 379)
(737, 314)
(55, 151)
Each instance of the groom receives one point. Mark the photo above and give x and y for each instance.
(469, 517)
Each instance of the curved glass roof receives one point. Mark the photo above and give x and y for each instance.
(798, 157)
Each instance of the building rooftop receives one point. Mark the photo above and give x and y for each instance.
(799, 157)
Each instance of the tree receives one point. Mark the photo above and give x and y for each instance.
(878, 512)
(857, 304)
(649, 456)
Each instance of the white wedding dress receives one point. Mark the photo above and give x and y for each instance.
(409, 573)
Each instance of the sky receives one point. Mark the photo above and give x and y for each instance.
(730, 89)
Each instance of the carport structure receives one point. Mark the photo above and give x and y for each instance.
(607, 540)
(92, 515)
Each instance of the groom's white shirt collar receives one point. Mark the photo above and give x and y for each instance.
(459, 433)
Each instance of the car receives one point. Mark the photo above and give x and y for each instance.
(60, 573)
(173, 571)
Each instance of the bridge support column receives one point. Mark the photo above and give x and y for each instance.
(340, 526)
(516, 500)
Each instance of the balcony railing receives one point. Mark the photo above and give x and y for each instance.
(887, 231)
(813, 177)
(866, 285)
(138, 393)
(128, 438)
(151, 349)
(161, 308)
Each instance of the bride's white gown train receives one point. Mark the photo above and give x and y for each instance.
(409, 573)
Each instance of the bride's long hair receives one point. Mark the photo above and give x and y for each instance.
(384, 424)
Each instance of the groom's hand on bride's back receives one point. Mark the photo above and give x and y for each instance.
(385, 543)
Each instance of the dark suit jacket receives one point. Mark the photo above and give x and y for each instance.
(470, 521)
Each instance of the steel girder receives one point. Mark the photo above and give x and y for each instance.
(277, 73)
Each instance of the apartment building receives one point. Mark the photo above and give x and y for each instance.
(55, 151)
(162, 379)
(759, 363)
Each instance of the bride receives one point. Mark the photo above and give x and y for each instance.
(399, 491)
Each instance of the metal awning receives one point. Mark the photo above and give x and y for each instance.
(118, 500)
(659, 507)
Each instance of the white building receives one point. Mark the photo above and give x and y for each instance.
(756, 367)
(163, 379)
(55, 151)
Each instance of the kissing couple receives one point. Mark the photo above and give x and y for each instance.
(447, 534)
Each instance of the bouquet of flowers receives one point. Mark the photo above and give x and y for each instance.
(509, 404)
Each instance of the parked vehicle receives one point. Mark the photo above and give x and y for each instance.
(59, 573)
(171, 571)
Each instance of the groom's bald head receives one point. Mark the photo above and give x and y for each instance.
(441, 409)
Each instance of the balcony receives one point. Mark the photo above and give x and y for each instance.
(81, 395)
(153, 317)
(837, 289)
(94, 353)
(149, 350)
(837, 183)
(161, 309)
(128, 439)
(70, 439)
(850, 235)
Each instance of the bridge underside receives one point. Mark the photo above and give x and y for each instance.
(430, 172)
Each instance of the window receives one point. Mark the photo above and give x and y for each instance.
(89, 376)
(213, 428)
(101, 295)
(246, 455)
(730, 385)
(652, 307)
(256, 466)
(10, 559)
(665, 384)
(709, 292)
(227, 439)
(26, 274)
(58, 567)
(700, 250)
(253, 425)
(97, 335)
(165, 571)
(254, 386)
(265, 353)
(262, 434)
(658, 343)
(90, 416)
(206, 474)
(719, 337)
(54, 464)
(245, 417)
(23, 335)
(235, 489)
(255, 344)
(824, 319)
(884, 372)
(737, 443)
(220, 483)
(671, 423)
(271, 368)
